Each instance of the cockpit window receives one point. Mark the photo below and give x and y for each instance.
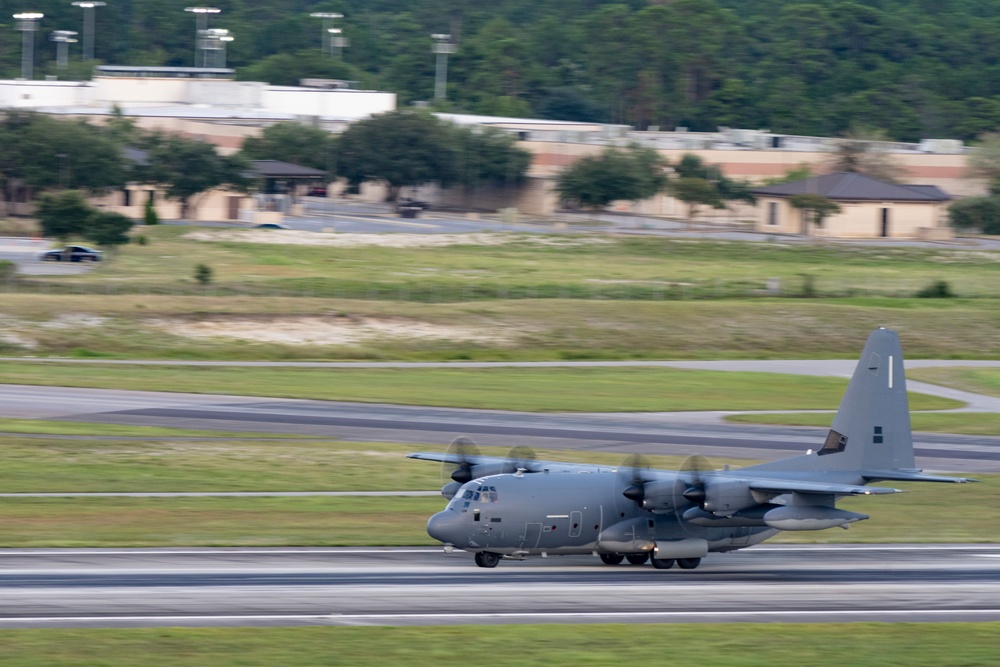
(479, 493)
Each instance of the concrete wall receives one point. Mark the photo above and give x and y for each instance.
(337, 103)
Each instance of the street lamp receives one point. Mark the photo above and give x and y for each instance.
(200, 24)
(27, 23)
(88, 25)
(442, 47)
(328, 18)
(337, 41)
(62, 38)
(215, 40)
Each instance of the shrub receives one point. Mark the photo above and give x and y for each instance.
(203, 274)
(939, 289)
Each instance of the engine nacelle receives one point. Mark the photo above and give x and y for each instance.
(806, 517)
(727, 496)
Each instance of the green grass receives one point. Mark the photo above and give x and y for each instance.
(526, 264)
(977, 380)
(146, 326)
(526, 389)
(963, 423)
(708, 645)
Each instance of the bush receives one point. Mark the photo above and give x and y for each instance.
(8, 271)
(939, 289)
(203, 274)
(150, 216)
(977, 213)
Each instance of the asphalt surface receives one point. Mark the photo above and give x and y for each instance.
(624, 433)
(270, 587)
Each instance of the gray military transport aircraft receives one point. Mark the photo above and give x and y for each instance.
(516, 506)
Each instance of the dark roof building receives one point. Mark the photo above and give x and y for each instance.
(846, 186)
(869, 208)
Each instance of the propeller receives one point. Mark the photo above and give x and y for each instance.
(520, 458)
(634, 473)
(692, 480)
(458, 469)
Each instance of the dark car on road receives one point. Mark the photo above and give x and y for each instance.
(73, 253)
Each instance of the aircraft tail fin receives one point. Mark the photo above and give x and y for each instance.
(871, 430)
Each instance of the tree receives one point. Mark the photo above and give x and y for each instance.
(149, 214)
(295, 143)
(187, 168)
(814, 206)
(44, 153)
(862, 151)
(401, 148)
(63, 215)
(976, 213)
(615, 174)
(696, 192)
(985, 161)
(489, 156)
(106, 228)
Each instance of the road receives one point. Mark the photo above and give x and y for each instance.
(359, 586)
(625, 433)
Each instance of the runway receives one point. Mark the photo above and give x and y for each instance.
(285, 587)
(624, 433)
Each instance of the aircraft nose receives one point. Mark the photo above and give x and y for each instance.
(447, 526)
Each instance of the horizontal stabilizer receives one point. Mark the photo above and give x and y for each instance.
(911, 476)
(796, 486)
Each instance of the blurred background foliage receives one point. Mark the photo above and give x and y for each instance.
(914, 68)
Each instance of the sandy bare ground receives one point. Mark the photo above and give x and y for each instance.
(325, 330)
(299, 237)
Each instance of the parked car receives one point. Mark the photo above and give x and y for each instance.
(74, 253)
(411, 208)
(272, 225)
(316, 191)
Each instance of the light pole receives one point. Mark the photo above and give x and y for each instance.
(27, 23)
(88, 25)
(214, 42)
(200, 24)
(442, 47)
(337, 41)
(328, 29)
(62, 38)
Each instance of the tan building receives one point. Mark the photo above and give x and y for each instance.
(868, 208)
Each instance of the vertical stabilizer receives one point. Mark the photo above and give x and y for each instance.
(871, 430)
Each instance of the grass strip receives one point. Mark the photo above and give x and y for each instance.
(977, 380)
(522, 389)
(731, 645)
(930, 513)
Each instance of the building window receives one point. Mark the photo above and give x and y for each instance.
(772, 213)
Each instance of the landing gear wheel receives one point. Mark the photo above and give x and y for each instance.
(612, 559)
(637, 559)
(662, 563)
(487, 559)
(688, 563)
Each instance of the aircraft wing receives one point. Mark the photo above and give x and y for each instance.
(796, 486)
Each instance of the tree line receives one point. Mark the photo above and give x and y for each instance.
(43, 154)
(915, 68)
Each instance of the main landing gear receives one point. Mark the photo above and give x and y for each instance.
(487, 559)
(658, 563)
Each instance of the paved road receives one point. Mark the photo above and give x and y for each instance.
(625, 433)
(155, 587)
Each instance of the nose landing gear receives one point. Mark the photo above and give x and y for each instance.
(487, 559)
